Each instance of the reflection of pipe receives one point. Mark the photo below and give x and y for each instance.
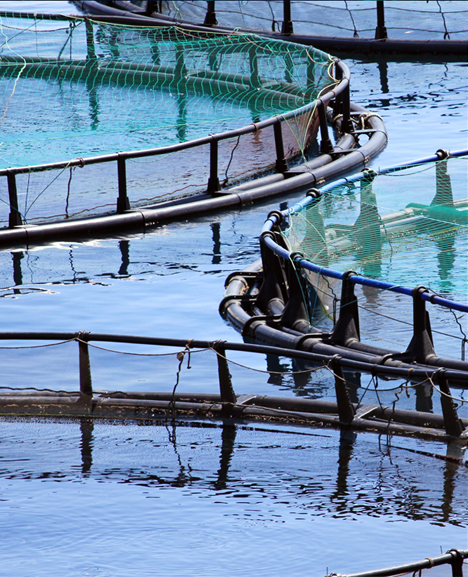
(444, 195)
(366, 231)
(17, 273)
(87, 427)
(182, 116)
(383, 70)
(347, 441)
(228, 439)
(215, 229)
(124, 246)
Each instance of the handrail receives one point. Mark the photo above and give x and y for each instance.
(337, 91)
(403, 370)
(253, 127)
(340, 413)
(354, 278)
(453, 557)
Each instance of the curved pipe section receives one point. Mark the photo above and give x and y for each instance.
(274, 289)
(458, 48)
(342, 159)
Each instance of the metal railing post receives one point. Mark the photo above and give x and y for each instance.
(210, 16)
(123, 203)
(347, 327)
(14, 218)
(213, 181)
(287, 26)
(346, 124)
(421, 347)
(281, 163)
(225, 383)
(338, 102)
(381, 30)
(86, 387)
(326, 147)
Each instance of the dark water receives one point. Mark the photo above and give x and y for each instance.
(148, 500)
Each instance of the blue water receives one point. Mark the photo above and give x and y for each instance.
(128, 500)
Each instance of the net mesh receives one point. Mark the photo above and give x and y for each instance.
(430, 20)
(408, 228)
(73, 89)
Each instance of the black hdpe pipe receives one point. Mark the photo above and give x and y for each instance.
(237, 196)
(257, 326)
(104, 13)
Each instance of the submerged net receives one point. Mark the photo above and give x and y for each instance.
(408, 228)
(74, 88)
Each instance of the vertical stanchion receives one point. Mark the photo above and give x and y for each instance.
(14, 218)
(421, 347)
(347, 327)
(381, 30)
(123, 203)
(338, 102)
(287, 26)
(457, 563)
(346, 125)
(86, 387)
(225, 383)
(213, 181)
(281, 163)
(326, 147)
(345, 407)
(210, 16)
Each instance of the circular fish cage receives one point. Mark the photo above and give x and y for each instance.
(126, 108)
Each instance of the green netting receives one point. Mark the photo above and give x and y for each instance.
(408, 227)
(74, 88)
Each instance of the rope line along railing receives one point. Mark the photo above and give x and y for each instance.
(342, 413)
(375, 34)
(277, 287)
(332, 160)
(453, 557)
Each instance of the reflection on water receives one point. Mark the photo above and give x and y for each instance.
(321, 473)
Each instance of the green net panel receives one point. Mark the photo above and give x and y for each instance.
(72, 88)
(408, 227)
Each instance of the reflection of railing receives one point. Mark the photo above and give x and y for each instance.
(279, 312)
(86, 402)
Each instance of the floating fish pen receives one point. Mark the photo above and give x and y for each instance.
(107, 93)
(414, 28)
(336, 267)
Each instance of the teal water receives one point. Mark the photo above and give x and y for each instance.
(430, 249)
(66, 104)
(147, 500)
